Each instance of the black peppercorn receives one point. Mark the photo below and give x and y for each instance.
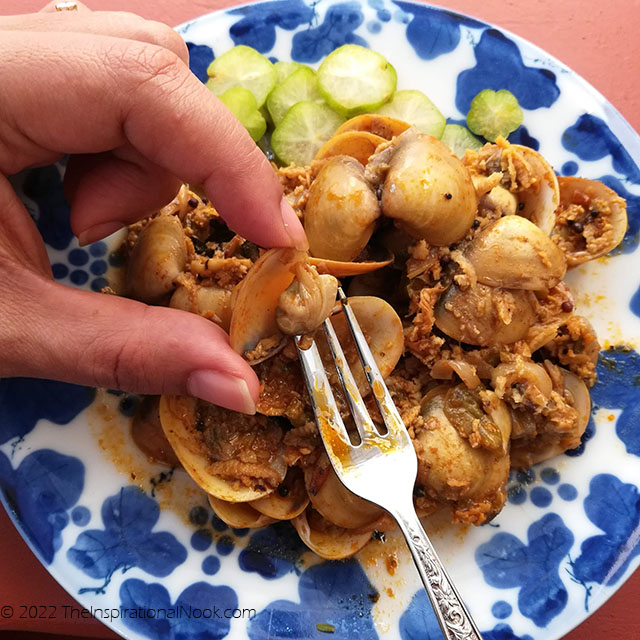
(576, 226)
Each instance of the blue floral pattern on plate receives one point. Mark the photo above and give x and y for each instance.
(123, 534)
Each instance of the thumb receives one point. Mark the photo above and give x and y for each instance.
(107, 341)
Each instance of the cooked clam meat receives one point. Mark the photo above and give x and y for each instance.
(590, 221)
(341, 211)
(427, 190)
(306, 302)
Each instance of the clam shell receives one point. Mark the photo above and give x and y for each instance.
(450, 469)
(477, 315)
(359, 145)
(611, 208)
(542, 199)
(240, 515)
(204, 301)
(515, 254)
(253, 316)
(524, 453)
(178, 418)
(382, 126)
(428, 191)
(341, 211)
(285, 507)
(383, 330)
(343, 269)
(332, 542)
(335, 503)
(539, 199)
(156, 260)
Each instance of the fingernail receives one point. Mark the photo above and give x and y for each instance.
(98, 232)
(293, 226)
(222, 389)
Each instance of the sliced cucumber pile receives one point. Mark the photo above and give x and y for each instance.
(242, 67)
(242, 103)
(303, 108)
(494, 113)
(353, 80)
(285, 69)
(300, 86)
(459, 139)
(303, 130)
(413, 107)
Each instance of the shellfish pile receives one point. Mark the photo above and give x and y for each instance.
(454, 268)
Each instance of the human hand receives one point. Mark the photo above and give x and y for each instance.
(115, 91)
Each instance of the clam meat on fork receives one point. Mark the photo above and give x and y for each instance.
(382, 467)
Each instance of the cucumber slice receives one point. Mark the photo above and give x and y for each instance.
(494, 113)
(242, 103)
(355, 80)
(245, 67)
(300, 85)
(459, 139)
(285, 69)
(303, 130)
(413, 107)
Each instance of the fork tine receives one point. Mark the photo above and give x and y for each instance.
(361, 417)
(388, 411)
(323, 402)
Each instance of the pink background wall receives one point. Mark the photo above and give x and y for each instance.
(599, 39)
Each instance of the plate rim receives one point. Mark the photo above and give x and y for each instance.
(628, 137)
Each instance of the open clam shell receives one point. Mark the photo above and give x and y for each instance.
(157, 259)
(343, 269)
(544, 446)
(240, 515)
(383, 330)
(382, 126)
(335, 503)
(453, 471)
(526, 174)
(356, 144)
(541, 199)
(288, 501)
(178, 416)
(148, 435)
(326, 539)
(591, 219)
(485, 316)
(253, 317)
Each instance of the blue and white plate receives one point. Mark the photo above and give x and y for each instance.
(137, 543)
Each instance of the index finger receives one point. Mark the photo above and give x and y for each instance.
(104, 93)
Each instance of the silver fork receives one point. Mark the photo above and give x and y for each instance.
(382, 468)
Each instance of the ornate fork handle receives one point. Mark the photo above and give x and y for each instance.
(453, 617)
